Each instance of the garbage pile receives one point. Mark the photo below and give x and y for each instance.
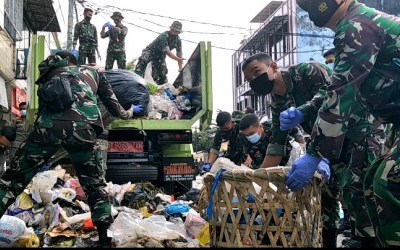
(159, 101)
(52, 212)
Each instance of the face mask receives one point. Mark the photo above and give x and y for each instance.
(330, 65)
(262, 85)
(23, 113)
(88, 18)
(254, 138)
(320, 11)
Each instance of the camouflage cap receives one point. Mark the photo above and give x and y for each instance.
(116, 14)
(176, 25)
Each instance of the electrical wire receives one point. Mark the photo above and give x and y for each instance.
(107, 9)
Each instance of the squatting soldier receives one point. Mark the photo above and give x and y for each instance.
(116, 43)
(86, 33)
(366, 73)
(290, 88)
(75, 130)
(257, 139)
(228, 130)
(157, 51)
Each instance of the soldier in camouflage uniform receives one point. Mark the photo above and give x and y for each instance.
(294, 87)
(86, 33)
(157, 51)
(75, 130)
(116, 44)
(228, 131)
(366, 74)
(257, 139)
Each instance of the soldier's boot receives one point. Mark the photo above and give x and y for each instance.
(104, 240)
(369, 242)
(329, 238)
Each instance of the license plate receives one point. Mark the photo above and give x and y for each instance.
(125, 147)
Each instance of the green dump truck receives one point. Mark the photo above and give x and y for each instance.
(161, 150)
(143, 149)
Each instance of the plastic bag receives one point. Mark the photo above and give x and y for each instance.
(194, 224)
(10, 230)
(129, 88)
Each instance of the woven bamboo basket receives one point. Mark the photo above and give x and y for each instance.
(255, 209)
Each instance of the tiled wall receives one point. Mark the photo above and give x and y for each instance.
(7, 61)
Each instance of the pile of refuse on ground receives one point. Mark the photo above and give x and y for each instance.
(52, 212)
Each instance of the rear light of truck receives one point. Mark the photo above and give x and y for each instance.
(175, 137)
(125, 146)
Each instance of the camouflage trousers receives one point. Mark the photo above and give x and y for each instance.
(89, 54)
(79, 140)
(347, 176)
(118, 56)
(159, 68)
(382, 188)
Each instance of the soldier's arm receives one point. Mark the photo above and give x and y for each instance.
(76, 35)
(124, 31)
(358, 46)
(276, 149)
(104, 33)
(214, 151)
(110, 101)
(318, 76)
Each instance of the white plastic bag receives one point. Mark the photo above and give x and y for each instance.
(10, 229)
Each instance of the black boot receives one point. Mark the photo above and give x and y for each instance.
(104, 240)
(329, 238)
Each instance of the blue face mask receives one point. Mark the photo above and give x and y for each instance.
(23, 113)
(254, 138)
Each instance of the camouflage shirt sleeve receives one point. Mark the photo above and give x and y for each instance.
(321, 73)
(109, 99)
(278, 137)
(217, 142)
(358, 43)
(76, 32)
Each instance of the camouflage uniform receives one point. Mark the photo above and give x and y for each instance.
(87, 35)
(234, 139)
(257, 151)
(75, 130)
(349, 169)
(155, 53)
(116, 47)
(364, 75)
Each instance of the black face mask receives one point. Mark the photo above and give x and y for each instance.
(262, 85)
(320, 11)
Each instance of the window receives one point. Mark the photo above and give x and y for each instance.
(13, 18)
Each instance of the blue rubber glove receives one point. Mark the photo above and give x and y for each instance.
(324, 170)
(108, 25)
(137, 109)
(290, 118)
(75, 53)
(302, 172)
(205, 168)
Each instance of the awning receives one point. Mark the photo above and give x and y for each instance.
(266, 30)
(265, 13)
(40, 16)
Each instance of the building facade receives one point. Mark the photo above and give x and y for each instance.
(20, 21)
(287, 34)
